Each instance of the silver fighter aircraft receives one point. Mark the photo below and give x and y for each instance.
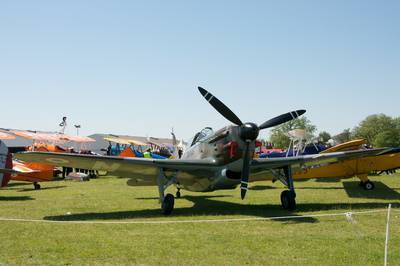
(215, 160)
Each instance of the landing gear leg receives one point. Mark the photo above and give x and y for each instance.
(178, 193)
(167, 202)
(288, 197)
(36, 185)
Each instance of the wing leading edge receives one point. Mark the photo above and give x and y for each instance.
(115, 164)
(310, 161)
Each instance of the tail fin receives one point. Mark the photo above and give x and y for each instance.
(128, 152)
(5, 163)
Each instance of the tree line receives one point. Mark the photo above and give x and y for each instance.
(379, 130)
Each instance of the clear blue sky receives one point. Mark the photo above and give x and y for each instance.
(132, 67)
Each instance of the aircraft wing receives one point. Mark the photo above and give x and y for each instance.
(125, 141)
(347, 146)
(312, 161)
(114, 164)
(147, 170)
(142, 166)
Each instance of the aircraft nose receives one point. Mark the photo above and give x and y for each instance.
(249, 132)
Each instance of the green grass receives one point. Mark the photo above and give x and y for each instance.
(302, 241)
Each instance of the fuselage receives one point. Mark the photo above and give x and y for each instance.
(225, 148)
(356, 167)
(33, 172)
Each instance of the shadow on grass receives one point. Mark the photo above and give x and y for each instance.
(203, 206)
(16, 184)
(43, 188)
(320, 188)
(207, 206)
(23, 198)
(187, 197)
(260, 187)
(381, 191)
(311, 207)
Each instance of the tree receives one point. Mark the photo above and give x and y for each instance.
(324, 137)
(389, 138)
(279, 134)
(379, 130)
(397, 123)
(343, 137)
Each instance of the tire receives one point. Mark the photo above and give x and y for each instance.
(369, 185)
(288, 200)
(168, 204)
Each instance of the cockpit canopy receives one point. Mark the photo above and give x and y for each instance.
(202, 135)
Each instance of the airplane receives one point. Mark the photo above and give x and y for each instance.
(128, 147)
(215, 160)
(37, 172)
(124, 146)
(387, 162)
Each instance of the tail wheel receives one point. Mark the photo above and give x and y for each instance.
(368, 185)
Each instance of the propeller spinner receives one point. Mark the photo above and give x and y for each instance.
(248, 131)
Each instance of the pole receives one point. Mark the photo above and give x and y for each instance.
(387, 234)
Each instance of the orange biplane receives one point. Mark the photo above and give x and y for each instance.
(36, 172)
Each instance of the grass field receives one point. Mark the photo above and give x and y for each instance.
(303, 241)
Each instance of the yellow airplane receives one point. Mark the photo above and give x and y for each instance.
(359, 167)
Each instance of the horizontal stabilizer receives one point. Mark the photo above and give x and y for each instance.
(9, 171)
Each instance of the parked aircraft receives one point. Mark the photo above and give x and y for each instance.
(118, 145)
(127, 147)
(385, 162)
(215, 160)
(44, 142)
(359, 167)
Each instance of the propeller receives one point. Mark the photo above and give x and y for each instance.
(248, 131)
(220, 107)
(282, 119)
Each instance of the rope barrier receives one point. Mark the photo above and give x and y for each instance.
(228, 220)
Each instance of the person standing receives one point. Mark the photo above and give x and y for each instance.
(147, 154)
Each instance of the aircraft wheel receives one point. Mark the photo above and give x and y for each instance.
(168, 204)
(369, 185)
(178, 195)
(36, 186)
(288, 200)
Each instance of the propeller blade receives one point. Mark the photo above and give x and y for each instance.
(220, 107)
(282, 119)
(245, 171)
